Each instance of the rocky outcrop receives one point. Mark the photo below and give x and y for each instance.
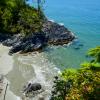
(57, 34)
(52, 33)
(29, 44)
(4, 37)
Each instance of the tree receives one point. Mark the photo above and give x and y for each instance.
(12, 3)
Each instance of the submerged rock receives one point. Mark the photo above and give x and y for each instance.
(77, 44)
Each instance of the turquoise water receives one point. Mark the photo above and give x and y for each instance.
(82, 17)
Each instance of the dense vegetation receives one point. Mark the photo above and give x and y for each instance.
(16, 16)
(80, 84)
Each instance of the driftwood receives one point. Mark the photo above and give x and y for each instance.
(1, 82)
(5, 92)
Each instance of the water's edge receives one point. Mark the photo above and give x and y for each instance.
(19, 69)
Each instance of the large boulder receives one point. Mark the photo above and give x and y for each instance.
(32, 87)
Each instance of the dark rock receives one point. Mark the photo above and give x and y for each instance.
(28, 44)
(52, 33)
(4, 37)
(8, 42)
(38, 46)
(81, 45)
(57, 34)
(76, 48)
(12, 41)
(77, 44)
(56, 77)
(16, 48)
(28, 48)
(41, 98)
(32, 87)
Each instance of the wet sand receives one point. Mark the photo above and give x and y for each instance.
(6, 65)
(19, 69)
(6, 61)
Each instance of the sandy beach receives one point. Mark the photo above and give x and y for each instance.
(6, 65)
(6, 61)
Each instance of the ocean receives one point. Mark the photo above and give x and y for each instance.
(82, 17)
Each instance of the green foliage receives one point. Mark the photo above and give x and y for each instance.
(3, 2)
(95, 53)
(69, 74)
(17, 17)
(60, 91)
(12, 3)
(80, 84)
(6, 18)
(29, 21)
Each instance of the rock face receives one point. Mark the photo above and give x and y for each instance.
(29, 44)
(57, 34)
(52, 33)
(3, 37)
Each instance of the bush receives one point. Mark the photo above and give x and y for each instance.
(80, 84)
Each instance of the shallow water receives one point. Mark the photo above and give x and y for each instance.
(82, 17)
(9, 94)
(20, 69)
(33, 67)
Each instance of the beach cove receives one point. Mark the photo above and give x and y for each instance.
(82, 18)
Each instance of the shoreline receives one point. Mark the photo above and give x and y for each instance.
(4, 62)
(52, 34)
(6, 92)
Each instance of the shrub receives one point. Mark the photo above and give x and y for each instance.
(80, 84)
